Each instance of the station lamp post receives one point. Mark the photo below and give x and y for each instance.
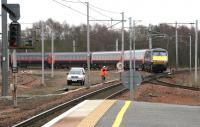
(52, 51)
(42, 39)
(42, 50)
(134, 39)
(88, 47)
(196, 55)
(190, 45)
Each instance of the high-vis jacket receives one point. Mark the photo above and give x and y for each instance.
(103, 72)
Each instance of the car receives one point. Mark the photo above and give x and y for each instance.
(76, 75)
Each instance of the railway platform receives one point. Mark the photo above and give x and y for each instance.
(120, 113)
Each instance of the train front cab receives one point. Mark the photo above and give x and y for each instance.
(159, 63)
(156, 60)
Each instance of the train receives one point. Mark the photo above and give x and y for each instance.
(149, 60)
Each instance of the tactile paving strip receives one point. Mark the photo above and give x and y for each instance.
(93, 118)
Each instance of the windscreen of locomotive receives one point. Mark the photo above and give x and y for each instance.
(159, 53)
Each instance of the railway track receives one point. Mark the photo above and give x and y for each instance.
(42, 118)
(155, 76)
(182, 86)
(104, 93)
(154, 79)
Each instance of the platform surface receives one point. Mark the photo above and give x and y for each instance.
(118, 113)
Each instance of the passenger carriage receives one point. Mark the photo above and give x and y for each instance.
(139, 58)
(68, 59)
(109, 59)
(30, 59)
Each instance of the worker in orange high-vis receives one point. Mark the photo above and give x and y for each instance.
(103, 73)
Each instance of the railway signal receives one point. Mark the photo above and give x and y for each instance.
(14, 35)
(14, 42)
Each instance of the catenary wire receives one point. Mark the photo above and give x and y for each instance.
(70, 1)
(89, 7)
(95, 10)
(79, 1)
(105, 10)
(72, 9)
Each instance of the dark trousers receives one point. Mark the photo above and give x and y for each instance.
(103, 78)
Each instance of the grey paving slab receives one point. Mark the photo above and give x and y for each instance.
(143, 114)
(109, 117)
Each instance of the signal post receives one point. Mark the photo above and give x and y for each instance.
(14, 42)
(14, 15)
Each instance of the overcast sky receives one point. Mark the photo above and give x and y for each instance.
(149, 11)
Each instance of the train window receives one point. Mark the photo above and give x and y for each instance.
(103, 57)
(114, 56)
(108, 57)
(56, 57)
(157, 53)
(163, 53)
(74, 56)
(119, 56)
(67, 56)
(70, 57)
(94, 56)
(99, 57)
(79, 56)
(84, 56)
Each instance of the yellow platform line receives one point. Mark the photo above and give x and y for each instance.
(92, 119)
(120, 115)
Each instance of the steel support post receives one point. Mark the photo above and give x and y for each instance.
(4, 51)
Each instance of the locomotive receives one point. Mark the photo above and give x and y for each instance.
(155, 60)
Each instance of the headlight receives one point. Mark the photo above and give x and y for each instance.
(80, 77)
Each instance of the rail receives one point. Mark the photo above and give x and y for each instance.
(75, 101)
(94, 95)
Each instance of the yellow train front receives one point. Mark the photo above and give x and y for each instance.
(156, 60)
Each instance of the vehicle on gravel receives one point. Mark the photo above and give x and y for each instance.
(76, 75)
